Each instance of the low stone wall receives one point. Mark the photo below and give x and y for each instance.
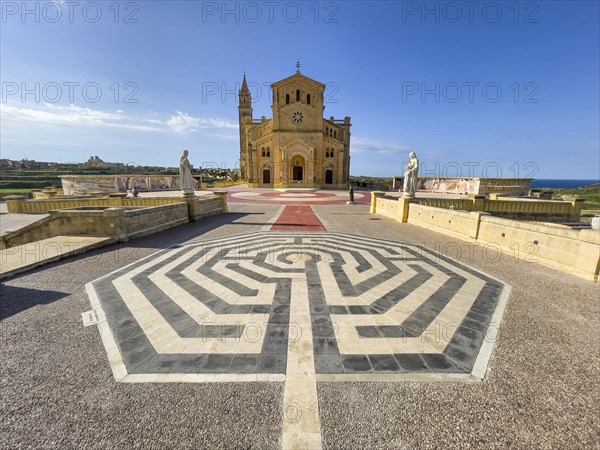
(134, 223)
(138, 218)
(121, 223)
(529, 209)
(387, 207)
(509, 208)
(457, 223)
(79, 184)
(448, 203)
(23, 206)
(470, 186)
(570, 250)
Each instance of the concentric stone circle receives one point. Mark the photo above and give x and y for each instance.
(226, 307)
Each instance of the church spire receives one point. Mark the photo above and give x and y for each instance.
(245, 89)
(245, 101)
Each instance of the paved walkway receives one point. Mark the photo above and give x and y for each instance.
(296, 197)
(214, 301)
(12, 222)
(298, 218)
(25, 257)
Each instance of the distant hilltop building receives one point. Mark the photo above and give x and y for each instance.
(297, 147)
(95, 161)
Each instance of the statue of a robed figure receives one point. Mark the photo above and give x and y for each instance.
(410, 176)
(186, 182)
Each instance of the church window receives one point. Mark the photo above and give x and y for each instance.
(331, 153)
(308, 99)
(263, 152)
(268, 152)
(287, 99)
(335, 134)
(297, 95)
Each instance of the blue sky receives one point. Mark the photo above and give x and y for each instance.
(491, 89)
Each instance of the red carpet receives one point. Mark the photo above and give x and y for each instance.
(298, 218)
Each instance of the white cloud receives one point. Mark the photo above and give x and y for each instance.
(362, 145)
(182, 122)
(70, 115)
(50, 114)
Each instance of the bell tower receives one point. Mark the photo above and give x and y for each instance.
(245, 118)
(245, 102)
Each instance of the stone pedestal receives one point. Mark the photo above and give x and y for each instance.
(116, 222)
(403, 205)
(223, 196)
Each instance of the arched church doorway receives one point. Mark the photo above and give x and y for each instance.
(297, 173)
(298, 169)
(266, 176)
(329, 176)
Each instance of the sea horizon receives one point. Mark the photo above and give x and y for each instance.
(564, 183)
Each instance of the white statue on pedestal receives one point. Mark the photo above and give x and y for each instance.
(186, 182)
(410, 176)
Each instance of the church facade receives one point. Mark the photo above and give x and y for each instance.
(297, 147)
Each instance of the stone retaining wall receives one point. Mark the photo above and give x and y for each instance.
(509, 208)
(570, 250)
(139, 217)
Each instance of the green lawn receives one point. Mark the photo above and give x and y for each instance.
(11, 191)
(590, 193)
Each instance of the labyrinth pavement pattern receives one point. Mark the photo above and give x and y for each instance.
(223, 307)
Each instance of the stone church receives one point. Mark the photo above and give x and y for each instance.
(297, 147)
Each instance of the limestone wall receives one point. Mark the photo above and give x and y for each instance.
(509, 208)
(136, 217)
(387, 207)
(79, 184)
(462, 224)
(24, 206)
(470, 186)
(572, 251)
(529, 209)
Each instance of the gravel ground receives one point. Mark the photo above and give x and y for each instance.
(57, 389)
(542, 390)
